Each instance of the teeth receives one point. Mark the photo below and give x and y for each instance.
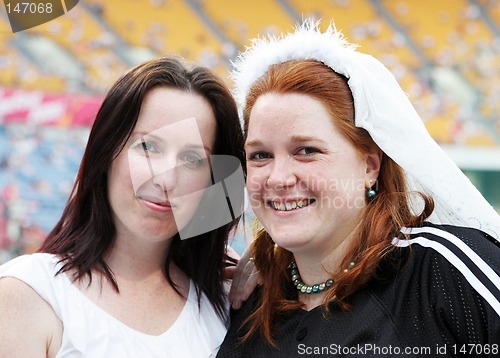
(279, 206)
(291, 205)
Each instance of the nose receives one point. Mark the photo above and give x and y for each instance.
(282, 174)
(166, 180)
(164, 174)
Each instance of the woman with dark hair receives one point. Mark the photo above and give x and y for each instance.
(372, 242)
(134, 267)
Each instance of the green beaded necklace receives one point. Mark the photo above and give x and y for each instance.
(317, 288)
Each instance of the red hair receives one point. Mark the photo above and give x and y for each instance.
(383, 218)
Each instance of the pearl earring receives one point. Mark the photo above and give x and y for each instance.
(370, 192)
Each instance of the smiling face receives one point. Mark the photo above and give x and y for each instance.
(156, 182)
(305, 180)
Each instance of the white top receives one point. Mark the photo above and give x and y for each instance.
(89, 331)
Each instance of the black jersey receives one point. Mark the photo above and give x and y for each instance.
(436, 295)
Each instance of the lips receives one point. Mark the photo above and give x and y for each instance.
(290, 204)
(156, 204)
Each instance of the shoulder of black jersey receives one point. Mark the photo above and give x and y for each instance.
(472, 252)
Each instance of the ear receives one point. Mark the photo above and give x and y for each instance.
(373, 161)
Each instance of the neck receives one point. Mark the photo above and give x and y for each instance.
(316, 268)
(312, 272)
(319, 270)
(143, 269)
(325, 262)
(135, 260)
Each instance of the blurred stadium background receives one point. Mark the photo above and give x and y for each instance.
(445, 54)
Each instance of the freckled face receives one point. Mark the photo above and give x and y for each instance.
(156, 181)
(306, 182)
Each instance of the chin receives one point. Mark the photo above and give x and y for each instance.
(288, 241)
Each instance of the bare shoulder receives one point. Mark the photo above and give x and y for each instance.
(28, 325)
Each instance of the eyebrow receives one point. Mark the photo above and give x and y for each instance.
(253, 143)
(300, 138)
(295, 139)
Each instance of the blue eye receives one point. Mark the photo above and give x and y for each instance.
(307, 151)
(259, 156)
(146, 147)
(192, 159)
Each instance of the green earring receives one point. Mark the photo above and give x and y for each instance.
(371, 193)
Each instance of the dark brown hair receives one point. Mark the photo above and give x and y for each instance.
(383, 218)
(86, 232)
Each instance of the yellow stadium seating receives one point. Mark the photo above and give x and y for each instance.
(18, 72)
(361, 24)
(444, 29)
(242, 20)
(84, 38)
(448, 33)
(168, 26)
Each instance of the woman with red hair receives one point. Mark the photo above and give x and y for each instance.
(373, 241)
